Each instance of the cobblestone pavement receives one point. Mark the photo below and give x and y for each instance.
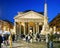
(23, 44)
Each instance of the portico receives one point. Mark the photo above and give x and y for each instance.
(28, 22)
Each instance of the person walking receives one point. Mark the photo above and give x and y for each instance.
(13, 37)
(1, 40)
(51, 40)
(47, 40)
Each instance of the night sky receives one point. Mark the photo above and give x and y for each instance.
(10, 8)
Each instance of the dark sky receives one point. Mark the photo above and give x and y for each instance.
(9, 8)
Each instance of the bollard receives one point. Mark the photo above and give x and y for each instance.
(10, 41)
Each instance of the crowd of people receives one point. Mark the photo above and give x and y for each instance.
(4, 39)
(30, 37)
(37, 38)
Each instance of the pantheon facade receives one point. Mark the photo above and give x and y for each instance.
(31, 22)
(28, 22)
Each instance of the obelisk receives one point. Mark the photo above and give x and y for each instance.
(45, 28)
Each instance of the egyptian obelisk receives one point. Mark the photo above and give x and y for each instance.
(45, 28)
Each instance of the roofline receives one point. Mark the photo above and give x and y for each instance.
(54, 18)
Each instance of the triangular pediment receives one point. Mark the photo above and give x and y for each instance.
(29, 15)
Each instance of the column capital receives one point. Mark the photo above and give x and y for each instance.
(36, 23)
(40, 23)
(24, 23)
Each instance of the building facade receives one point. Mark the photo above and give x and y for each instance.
(31, 22)
(5, 25)
(56, 22)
